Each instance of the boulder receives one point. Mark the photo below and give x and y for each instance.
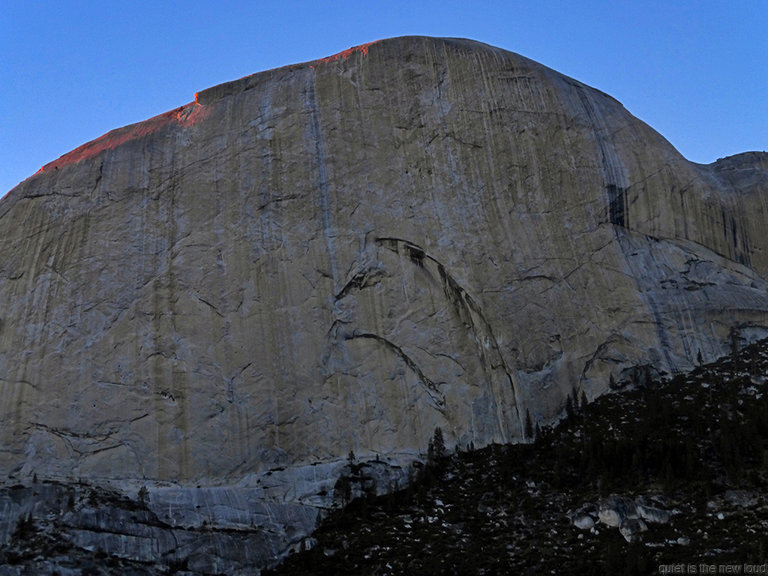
(583, 522)
(653, 515)
(632, 528)
(649, 510)
(615, 509)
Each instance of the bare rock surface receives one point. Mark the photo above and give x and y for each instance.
(222, 301)
(616, 509)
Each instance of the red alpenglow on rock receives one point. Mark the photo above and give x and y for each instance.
(184, 116)
(344, 54)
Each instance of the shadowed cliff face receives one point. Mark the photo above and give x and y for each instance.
(344, 254)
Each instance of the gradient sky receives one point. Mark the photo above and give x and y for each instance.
(696, 71)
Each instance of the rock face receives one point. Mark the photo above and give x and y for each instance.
(346, 254)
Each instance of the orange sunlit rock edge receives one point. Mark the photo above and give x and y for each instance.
(362, 49)
(186, 115)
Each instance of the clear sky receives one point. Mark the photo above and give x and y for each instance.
(696, 71)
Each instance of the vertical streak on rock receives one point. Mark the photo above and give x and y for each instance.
(316, 138)
(498, 389)
(35, 294)
(506, 416)
(169, 381)
(178, 376)
(156, 361)
(616, 184)
(614, 172)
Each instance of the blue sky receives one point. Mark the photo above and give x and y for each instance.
(72, 70)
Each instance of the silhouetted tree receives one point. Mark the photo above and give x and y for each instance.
(436, 448)
(569, 411)
(734, 336)
(528, 424)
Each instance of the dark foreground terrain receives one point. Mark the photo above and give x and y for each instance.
(681, 465)
(662, 476)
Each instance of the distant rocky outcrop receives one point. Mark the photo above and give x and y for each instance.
(222, 302)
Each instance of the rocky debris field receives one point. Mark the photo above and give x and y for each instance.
(671, 472)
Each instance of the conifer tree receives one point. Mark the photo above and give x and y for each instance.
(569, 410)
(528, 424)
(735, 347)
(436, 449)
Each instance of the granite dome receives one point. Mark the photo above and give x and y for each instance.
(348, 253)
